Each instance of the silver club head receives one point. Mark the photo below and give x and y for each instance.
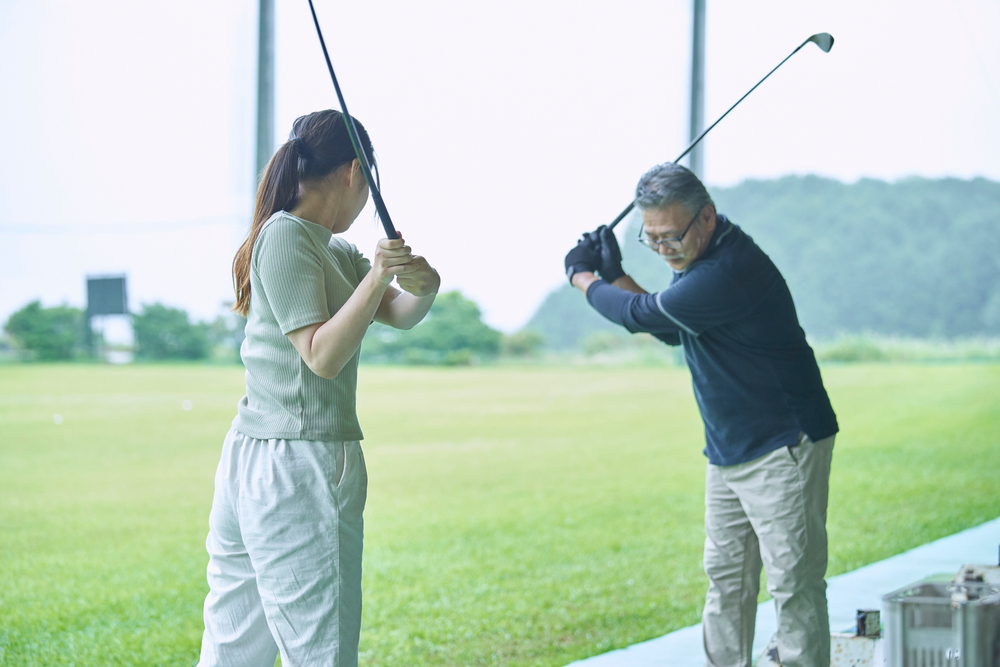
(823, 40)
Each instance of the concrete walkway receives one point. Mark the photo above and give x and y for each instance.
(861, 589)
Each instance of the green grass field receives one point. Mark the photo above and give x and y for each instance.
(516, 515)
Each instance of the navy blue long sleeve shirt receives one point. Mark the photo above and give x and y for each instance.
(755, 378)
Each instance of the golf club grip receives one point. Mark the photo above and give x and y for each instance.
(352, 133)
(621, 216)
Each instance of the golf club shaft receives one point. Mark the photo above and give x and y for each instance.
(628, 209)
(352, 132)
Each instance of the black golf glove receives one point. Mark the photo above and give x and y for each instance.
(583, 257)
(611, 255)
(607, 253)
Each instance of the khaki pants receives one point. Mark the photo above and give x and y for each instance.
(769, 511)
(284, 544)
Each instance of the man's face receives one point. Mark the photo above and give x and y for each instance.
(659, 224)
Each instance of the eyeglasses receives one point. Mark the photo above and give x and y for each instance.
(674, 242)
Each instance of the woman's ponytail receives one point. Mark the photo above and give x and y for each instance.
(277, 191)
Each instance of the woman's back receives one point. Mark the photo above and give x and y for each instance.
(300, 274)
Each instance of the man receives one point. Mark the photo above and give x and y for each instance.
(769, 426)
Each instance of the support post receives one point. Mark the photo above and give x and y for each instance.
(696, 124)
(265, 88)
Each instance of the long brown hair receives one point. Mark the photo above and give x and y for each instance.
(317, 145)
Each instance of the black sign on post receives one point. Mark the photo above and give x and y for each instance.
(105, 296)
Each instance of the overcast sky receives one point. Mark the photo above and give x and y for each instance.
(503, 130)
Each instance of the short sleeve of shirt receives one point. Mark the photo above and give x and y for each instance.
(289, 266)
(361, 263)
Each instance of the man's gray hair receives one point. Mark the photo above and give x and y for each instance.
(670, 183)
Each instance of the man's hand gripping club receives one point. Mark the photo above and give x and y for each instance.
(597, 252)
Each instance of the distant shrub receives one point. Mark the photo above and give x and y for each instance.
(452, 334)
(896, 348)
(603, 341)
(7, 350)
(163, 333)
(852, 348)
(47, 334)
(524, 343)
(226, 333)
(458, 358)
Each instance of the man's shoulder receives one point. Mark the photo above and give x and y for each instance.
(731, 239)
(727, 246)
(736, 261)
(737, 249)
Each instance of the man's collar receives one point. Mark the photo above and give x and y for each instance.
(722, 229)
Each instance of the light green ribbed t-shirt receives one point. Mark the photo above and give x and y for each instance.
(300, 274)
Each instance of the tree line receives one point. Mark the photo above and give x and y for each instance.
(453, 333)
(917, 258)
(59, 333)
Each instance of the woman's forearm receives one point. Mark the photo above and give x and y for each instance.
(420, 285)
(404, 310)
(326, 347)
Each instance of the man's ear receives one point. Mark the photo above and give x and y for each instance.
(707, 216)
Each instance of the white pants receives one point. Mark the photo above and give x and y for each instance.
(769, 511)
(284, 545)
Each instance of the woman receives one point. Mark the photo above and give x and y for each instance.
(285, 531)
